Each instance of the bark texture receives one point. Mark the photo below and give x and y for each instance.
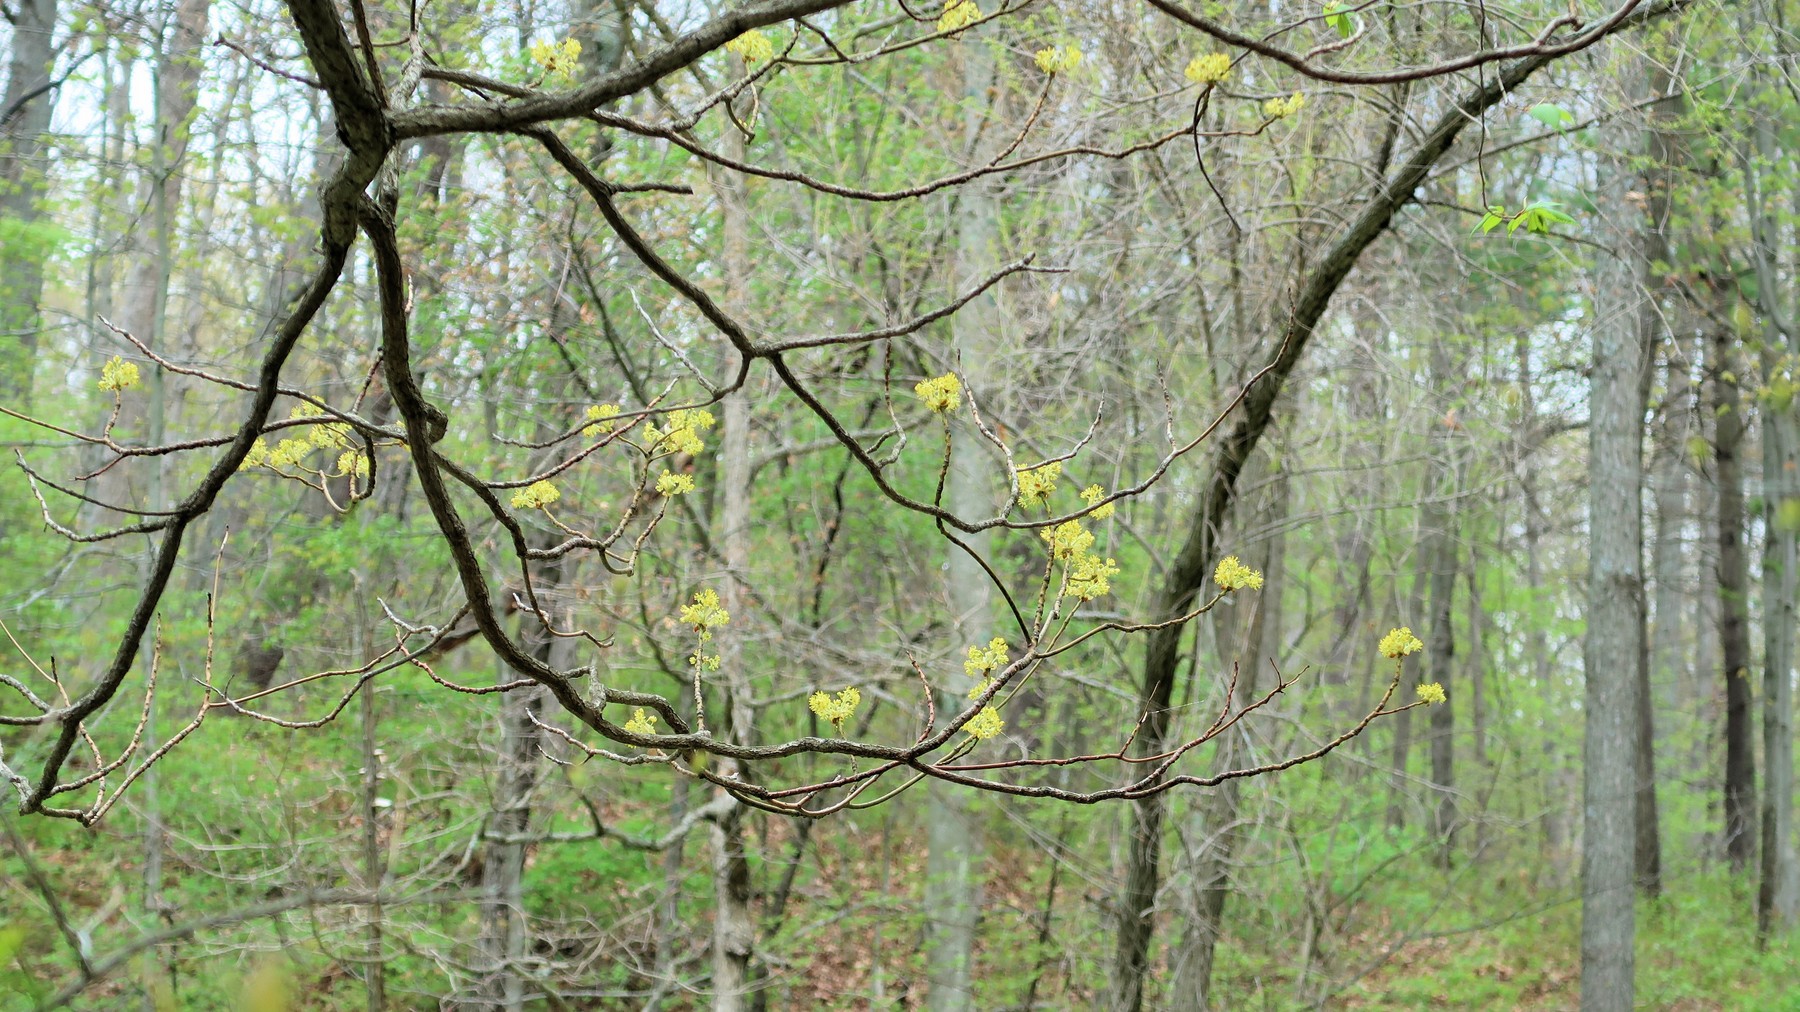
(1614, 646)
(26, 105)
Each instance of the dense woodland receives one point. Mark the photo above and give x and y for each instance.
(1006, 504)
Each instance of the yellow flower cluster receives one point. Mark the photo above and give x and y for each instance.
(536, 495)
(941, 393)
(985, 724)
(984, 659)
(704, 614)
(288, 453)
(958, 14)
(836, 710)
(753, 46)
(1234, 575)
(599, 415)
(1093, 494)
(1280, 108)
(557, 57)
(1058, 59)
(1208, 69)
(293, 451)
(671, 483)
(351, 461)
(118, 375)
(1431, 692)
(1090, 577)
(325, 435)
(1036, 484)
(1399, 643)
(641, 722)
(682, 434)
(1068, 540)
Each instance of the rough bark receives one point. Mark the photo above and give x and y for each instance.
(28, 99)
(1439, 546)
(734, 924)
(1734, 604)
(1778, 890)
(1210, 841)
(1662, 149)
(1613, 646)
(954, 838)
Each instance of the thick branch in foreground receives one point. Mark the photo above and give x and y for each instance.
(1187, 573)
(168, 550)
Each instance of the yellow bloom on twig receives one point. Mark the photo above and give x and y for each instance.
(1058, 59)
(941, 393)
(985, 724)
(836, 709)
(1399, 643)
(1233, 575)
(557, 57)
(1208, 69)
(754, 46)
(1091, 577)
(984, 659)
(1280, 108)
(1093, 494)
(1068, 540)
(599, 415)
(958, 14)
(1431, 692)
(536, 495)
(118, 375)
(704, 614)
(641, 722)
(1036, 484)
(671, 483)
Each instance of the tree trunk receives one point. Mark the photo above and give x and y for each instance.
(734, 925)
(503, 923)
(1734, 606)
(1778, 895)
(24, 250)
(1778, 892)
(1615, 629)
(954, 838)
(1210, 840)
(1439, 545)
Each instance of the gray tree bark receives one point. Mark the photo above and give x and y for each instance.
(26, 103)
(1247, 634)
(1439, 546)
(1734, 603)
(1613, 646)
(1778, 891)
(734, 925)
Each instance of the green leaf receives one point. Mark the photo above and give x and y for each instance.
(1490, 221)
(1550, 115)
(1336, 16)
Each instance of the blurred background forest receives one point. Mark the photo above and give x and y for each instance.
(1500, 339)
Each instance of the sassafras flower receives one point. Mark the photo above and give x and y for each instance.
(1399, 643)
(941, 393)
(1233, 575)
(985, 724)
(1208, 69)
